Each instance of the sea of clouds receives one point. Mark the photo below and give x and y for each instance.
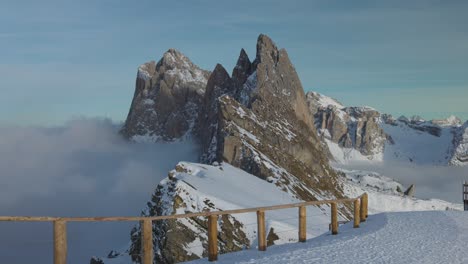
(83, 168)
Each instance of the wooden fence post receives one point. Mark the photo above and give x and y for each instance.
(366, 204)
(212, 237)
(261, 230)
(302, 224)
(356, 213)
(147, 241)
(363, 210)
(334, 218)
(60, 242)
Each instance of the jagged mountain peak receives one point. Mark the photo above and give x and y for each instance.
(243, 68)
(243, 55)
(147, 70)
(172, 57)
(243, 59)
(220, 70)
(166, 99)
(266, 49)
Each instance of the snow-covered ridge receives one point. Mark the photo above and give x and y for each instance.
(413, 139)
(193, 187)
(386, 194)
(323, 100)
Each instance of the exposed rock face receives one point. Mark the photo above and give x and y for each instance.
(349, 127)
(219, 84)
(264, 126)
(185, 239)
(274, 151)
(460, 146)
(167, 98)
(410, 191)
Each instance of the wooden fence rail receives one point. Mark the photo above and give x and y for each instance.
(60, 225)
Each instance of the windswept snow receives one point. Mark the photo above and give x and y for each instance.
(231, 188)
(416, 146)
(411, 237)
(344, 155)
(384, 195)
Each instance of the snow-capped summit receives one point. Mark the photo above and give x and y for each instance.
(449, 121)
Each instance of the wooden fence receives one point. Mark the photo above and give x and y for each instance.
(60, 225)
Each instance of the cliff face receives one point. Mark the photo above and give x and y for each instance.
(262, 124)
(349, 127)
(167, 98)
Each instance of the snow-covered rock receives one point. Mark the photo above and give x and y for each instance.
(192, 187)
(386, 194)
(350, 128)
(460, 146)
(167, 98)
(449, 121)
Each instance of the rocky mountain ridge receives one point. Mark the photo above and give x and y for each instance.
(257, 120)
(364, 134)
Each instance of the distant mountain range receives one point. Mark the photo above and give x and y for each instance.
(364, 134)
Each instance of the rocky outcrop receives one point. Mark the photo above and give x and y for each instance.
(460, 146)
(264, 126)
(418, 123)
(410, 191)
(219, 84)
(349, 127)
(185, 239)
(167, 98)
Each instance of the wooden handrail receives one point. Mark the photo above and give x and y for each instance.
(60, 231)
(166, 217)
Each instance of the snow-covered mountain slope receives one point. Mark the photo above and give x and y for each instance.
(362, 134)
(413, 145)
(407, 237)
(195, 187)
(386, 194)
(192, 187)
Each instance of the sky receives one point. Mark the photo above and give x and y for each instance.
(63, 59)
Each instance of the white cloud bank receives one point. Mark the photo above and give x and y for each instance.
(81, 169)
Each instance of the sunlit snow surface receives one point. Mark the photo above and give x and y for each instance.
(411, 237)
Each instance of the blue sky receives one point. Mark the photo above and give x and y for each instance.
(63, 59)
